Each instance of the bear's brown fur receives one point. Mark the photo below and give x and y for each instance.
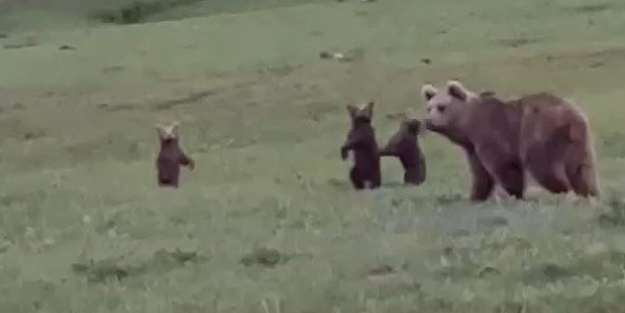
(541, 134)
(556, 145)
(170, 157)
(404, 144)
(361, 140)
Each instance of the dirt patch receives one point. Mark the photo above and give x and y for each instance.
(191, 98)
(266, 257)
(21, 43)
(590, 59)
(15, 128)
(115, 107)
(138, 11)
(518, 42)
(113, 69)
(107, 269)
(280, 70)
(594, 8)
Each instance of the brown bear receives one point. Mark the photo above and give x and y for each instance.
(540, 134)
(404, 144)
(170, 157)
(361, 140)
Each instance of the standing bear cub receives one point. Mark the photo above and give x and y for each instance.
(170, 157)
(404, 144)
(361, 140)
(540, 134)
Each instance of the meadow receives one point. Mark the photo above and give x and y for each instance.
(267, 222)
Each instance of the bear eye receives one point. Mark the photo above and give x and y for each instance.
(440, 108)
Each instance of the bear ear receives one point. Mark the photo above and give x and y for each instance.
(428, 91)
(173, 129)
(368, 110)
(403, 116)
(160, 130)
(457, 90)
(352, 110)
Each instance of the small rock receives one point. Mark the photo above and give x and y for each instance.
(66, 47)
(183, 257)
(382, 270)
(489, 270)
(324, 55)
(30, 233)
(263, 256)
(554, 271)
(86, 220)
(596, 64)
(112, 233)
(461, 233)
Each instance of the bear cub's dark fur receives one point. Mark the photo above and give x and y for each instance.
(170, 157)
(404, 144)
(361, 140)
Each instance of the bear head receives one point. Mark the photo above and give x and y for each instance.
(411, 126)
(447, 108)
(168, 134)
(362, 114)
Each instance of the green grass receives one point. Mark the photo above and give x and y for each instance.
(268, 210)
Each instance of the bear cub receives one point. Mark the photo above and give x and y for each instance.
(404, 144)
(171, 156)
(361, 140)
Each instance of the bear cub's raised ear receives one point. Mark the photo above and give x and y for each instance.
(367, 110)
(170, 131)
(428, 91)
(160, 130)
(174, 129)
(457, 90)
(352, 110)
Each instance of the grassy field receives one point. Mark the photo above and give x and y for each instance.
(267, 222)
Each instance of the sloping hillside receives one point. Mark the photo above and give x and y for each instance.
(267, 222)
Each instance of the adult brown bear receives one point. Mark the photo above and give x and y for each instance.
(540, 134)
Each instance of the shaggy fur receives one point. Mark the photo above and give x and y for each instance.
(541, 134)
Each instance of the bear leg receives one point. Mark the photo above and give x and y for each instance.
(553, 178)
(356, 178)
(483, 183)
(512, 179)
(583, 180)
(412, 176)
(375, 181)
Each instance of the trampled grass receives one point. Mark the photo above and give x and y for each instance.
(267, 222)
